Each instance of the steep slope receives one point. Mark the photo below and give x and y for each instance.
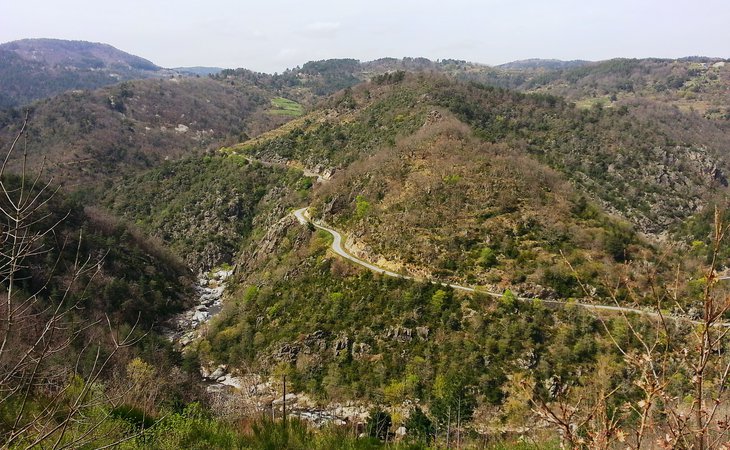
(340, 333)
(131, 277)
(204, 209)
(83, 294)
(32, 69)
(444, 180)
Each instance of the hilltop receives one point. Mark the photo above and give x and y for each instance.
(691, 84)
(630, 160)
(31, 69)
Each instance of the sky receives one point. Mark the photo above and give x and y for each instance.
(273, 35)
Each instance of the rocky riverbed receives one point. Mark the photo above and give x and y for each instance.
(237, 394)
(185, 327)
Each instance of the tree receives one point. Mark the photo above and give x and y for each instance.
(452, 404)
(420, 427)
(46, 400)
(378, 424)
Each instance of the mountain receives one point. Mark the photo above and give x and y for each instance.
(451, 181)
(441, 180)
(633, 160)
(697, 83)
(31, 69)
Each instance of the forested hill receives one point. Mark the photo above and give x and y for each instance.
(457, 181)
(693, 83)
(31, 69)
(632, 159)
(89, 137)
(433, 170)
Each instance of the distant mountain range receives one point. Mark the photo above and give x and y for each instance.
(168, 113)
(198, 70)
(548, 64)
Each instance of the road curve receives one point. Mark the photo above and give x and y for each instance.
(337, 247)
(302, 216)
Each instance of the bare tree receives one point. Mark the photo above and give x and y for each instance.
(663, 412)
(49, 403)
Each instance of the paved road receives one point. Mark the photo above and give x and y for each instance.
(302, 216)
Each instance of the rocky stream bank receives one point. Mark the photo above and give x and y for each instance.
(233, 393)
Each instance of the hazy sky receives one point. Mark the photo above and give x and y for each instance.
(271, 35)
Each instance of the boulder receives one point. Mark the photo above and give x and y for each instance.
(341, 344)
(218, 373)
(290, 399)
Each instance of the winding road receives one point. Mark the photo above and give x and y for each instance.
(303, 217)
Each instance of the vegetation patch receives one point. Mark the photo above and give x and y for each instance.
(286, 107)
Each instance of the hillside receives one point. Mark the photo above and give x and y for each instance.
(578, 197)
(443, 180)
(84, 295)
(690, 84)
(90, 137)
(132, 277)
(32, 69)
(630, 160)
(205, 209)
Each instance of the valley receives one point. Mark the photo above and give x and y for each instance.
(402, 253)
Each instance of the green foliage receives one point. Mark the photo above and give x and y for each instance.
(203, 210)
(438, 300)
(618, 240)
(135, 416)
(286, 107)
(389, 77)
(451, 399)
(562, 281)
(193, 428)
(362, 207)
(419, 427)
(487, 258)
(508, 300)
